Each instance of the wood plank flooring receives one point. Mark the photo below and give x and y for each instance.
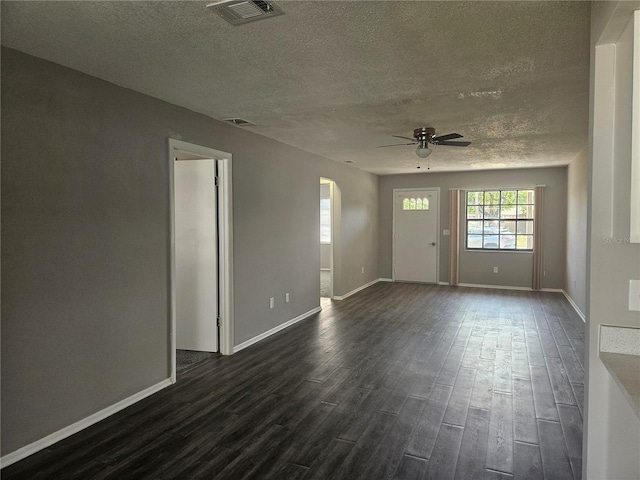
(400, 381)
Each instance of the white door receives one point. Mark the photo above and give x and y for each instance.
(416, 235)
(196, 255)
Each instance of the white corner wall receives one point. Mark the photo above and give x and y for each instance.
(612, 430)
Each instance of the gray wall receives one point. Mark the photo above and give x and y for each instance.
(612, 429)
(357, 201)
(477, 267)
(576, 270)
(85, 237)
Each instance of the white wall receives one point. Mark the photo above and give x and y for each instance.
(612, 430)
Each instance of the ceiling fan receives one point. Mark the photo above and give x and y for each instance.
(426, 135)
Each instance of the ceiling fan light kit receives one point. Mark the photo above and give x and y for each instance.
(423, 151)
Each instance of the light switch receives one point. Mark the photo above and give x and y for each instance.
(634, 295)
(445, 232)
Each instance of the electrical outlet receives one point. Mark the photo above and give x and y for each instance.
(495, 269)
(272, 302)
(634, 295)
(362, 269)
(286, 298)
(445, 232)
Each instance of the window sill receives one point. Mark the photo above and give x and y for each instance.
(494, 250)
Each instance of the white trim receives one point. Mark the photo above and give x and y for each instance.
(225, 253)
(282, 326)
(385, 279)
(393, 238)
(477, 189)
(331, 183)
(575, 306)
(509, 287)
(76, 427)
(172, 267)
(497, 287)
(495, 250)
(332, 207)
(444, 283)
(634, 223)
(360, 288)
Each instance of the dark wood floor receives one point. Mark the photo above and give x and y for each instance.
(399, 381)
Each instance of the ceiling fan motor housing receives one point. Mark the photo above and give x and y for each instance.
(424, 133)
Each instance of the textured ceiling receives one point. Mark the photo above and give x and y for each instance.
(339, 78)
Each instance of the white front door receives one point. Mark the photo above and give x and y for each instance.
(416, 235)
(196, 255)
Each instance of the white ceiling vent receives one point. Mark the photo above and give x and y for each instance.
(240, 122)
(237, 12)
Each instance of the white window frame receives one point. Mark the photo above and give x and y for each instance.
(498, 234)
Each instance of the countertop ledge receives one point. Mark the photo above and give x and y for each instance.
(625, 369)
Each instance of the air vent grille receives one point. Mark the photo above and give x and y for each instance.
(237, 12)
(240, 122)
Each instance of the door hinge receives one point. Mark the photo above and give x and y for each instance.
(217, 181)
(218, 322)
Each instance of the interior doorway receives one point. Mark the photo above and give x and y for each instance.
(196, 258)
(196, 253)
(416, 222)
(326, 237)
(201, 275)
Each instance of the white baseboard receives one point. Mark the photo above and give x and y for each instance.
(497, 287)
(575, 306)
(360, 288)
(509, 287)
(385, 279)
(268, 333)
(443, 283)
(74, 428)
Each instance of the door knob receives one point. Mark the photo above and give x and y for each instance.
(433, 244)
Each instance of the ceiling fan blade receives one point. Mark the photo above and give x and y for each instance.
(406, 138)
(397, 144)
(449, 136)
(454, 144)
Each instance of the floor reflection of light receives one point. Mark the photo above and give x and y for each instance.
(330, 325)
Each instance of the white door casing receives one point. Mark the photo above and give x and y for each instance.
(331, 185)
(196, 255)
(415, 236)
(224, 200)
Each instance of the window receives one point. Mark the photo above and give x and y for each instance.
(415, 204)
(325, 220)
(500, 220)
